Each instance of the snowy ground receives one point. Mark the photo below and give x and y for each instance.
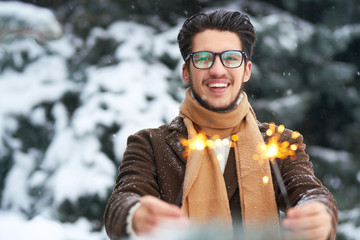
(14, 226)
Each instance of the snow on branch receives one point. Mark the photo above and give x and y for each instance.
(21, 20)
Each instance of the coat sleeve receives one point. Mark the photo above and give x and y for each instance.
(300, 181)
(136, 178)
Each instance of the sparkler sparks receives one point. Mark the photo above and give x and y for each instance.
(200, 142)
(196, 143)
(265, 180)
(277, 149)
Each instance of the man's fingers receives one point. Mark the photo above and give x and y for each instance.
(158, 207)
(312, 221)
(151, 212)
(309, 221)
(312, 208)
(311, 215)
(146, 228)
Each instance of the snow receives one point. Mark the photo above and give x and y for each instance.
(351, 231)
(346, 33)
(348, 227)
(80, 170)
(15, 197)
(35, 85)
(29, 19)
(290, 32)
(291, 104)
(18, 227)
(330, 155)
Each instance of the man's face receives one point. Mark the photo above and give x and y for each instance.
(218, 87)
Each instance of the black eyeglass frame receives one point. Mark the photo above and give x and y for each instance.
(243, 54)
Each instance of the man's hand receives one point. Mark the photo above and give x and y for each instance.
(153, 212)
(309, 221)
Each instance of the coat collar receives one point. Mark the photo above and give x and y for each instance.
(177, 131)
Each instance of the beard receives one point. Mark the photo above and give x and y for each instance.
(231, 106)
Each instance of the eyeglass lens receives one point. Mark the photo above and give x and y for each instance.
(230, 59)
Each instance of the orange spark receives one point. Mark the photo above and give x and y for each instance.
(275, 148)
(265, 180)
(198, 142)
(234, 137)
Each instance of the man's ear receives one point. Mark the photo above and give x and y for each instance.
(185, 73)
(247, 73)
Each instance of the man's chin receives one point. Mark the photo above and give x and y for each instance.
(219, 107)
(215, 107)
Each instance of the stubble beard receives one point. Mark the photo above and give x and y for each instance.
(206, 105)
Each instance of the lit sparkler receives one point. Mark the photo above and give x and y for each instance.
(277, 149)
(198, 143)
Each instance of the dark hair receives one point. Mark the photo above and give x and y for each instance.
(221, 20)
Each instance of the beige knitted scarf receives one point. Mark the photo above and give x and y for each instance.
(204, 194)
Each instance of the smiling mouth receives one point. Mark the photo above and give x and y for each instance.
(218, 85)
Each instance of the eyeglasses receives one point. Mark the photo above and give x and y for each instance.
(204, 59)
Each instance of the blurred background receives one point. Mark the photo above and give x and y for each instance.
(78, 76)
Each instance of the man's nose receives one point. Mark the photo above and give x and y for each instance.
(217, 66)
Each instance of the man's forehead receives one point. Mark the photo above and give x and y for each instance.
(216, 40)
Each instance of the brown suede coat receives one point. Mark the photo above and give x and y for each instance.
(154, 164)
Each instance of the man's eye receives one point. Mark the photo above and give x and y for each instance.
(203, 59)
(231, 57)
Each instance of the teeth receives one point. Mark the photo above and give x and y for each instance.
(218, 85)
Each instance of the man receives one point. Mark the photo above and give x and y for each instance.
(220, 183)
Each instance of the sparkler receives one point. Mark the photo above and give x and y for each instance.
(198, 143)
(277, 149)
